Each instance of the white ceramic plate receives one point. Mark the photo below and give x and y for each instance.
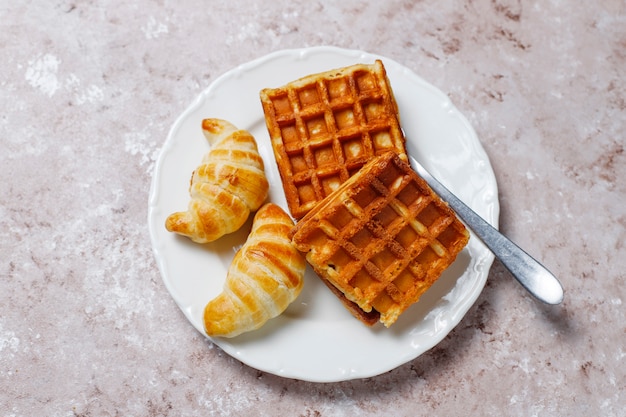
(316, 339)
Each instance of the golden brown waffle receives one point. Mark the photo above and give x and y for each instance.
(326, 126)
(381, 239)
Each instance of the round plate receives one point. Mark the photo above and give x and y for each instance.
(316, 339)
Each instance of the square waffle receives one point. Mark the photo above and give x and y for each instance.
(325, 127)
(381, 239)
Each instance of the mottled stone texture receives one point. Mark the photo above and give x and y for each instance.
(89, 92)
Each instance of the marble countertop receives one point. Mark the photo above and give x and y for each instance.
(89, 93)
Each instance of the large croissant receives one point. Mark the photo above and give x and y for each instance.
(265, 276)
(229, 184)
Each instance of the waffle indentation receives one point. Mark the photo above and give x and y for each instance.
(308, 96)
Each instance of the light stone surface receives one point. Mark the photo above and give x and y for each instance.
(90, 90)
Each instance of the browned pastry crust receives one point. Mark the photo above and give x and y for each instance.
(381, 239)
(225, 188)
(326, 126)
(266, 275)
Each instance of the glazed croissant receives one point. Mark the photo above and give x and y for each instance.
(229, 184)
(265, 276)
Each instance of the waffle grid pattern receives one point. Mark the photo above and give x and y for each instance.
(326, 126)
(384, 242)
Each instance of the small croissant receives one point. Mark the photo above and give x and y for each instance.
(265, 276)
(229, 184)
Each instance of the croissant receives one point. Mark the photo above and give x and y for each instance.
(265, 276)
(229, 184)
